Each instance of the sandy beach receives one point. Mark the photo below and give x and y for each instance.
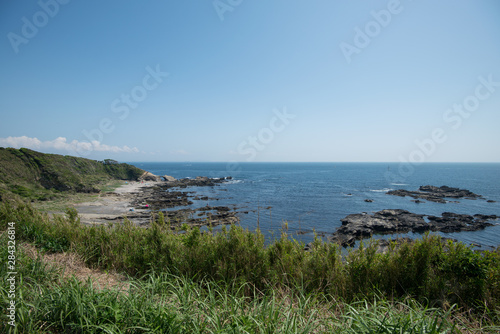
(113, 205)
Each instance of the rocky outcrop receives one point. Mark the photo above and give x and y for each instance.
(454, 222)
(175, 203)
(435, 194)
(169, 178)
(147, 176)
(450, 192)
(363, 225)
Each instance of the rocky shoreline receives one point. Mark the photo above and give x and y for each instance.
(168, 194)
(154, 194)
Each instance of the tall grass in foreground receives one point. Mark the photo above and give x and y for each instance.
(236, 265)
(164, 303)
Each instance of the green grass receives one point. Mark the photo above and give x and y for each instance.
(232, 282)
(63, 201)
(165, 303)
(111, 186)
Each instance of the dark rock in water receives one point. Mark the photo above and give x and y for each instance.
(221, 208)
(453, 222)
(435, 194)
(418, 201)
(491, 201)
(368, 200)
(359, 226)
(484, 218)
(446, 191)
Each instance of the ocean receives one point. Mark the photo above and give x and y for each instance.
(313, 197)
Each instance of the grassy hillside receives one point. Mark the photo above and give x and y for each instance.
(39, 176)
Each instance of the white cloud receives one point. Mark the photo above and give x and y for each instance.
(61, 143)
(18, 142)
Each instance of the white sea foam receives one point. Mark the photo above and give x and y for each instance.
(399, 184)
(234, 181)
(381, 190)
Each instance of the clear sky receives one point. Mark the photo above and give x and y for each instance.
(252, 80)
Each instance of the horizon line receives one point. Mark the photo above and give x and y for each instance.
(315, 162)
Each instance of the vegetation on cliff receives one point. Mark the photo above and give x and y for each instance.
(38, 176)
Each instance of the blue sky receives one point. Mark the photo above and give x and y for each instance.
(256, 80)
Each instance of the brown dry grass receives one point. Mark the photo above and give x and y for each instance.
(71, 265)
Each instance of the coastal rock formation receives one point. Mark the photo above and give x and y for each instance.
(168, 195)
(164, 196)
(147, 176)
(435, 194)
(169, 178)
(141, 203)
(359, 226)
(454, 222)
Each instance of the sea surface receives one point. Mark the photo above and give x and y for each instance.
(313, 197)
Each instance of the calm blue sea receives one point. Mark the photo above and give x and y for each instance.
(315, 196)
